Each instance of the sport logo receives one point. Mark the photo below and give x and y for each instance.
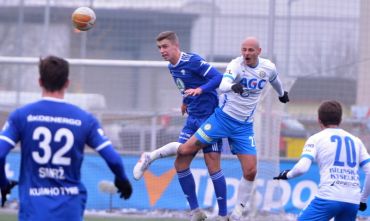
(207, 127)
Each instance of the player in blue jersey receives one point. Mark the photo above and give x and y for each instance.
(52, 134)
(339, 155)
(197, 81)
(241, 86)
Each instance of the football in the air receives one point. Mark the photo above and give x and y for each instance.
(83, 18)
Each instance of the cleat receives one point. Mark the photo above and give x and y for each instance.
(237, 213)
(218, 218)
(141, 166)
(198, 215)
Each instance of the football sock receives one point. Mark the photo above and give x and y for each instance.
(244, 192)
(187, 184)
(219, 185)
(169, 149)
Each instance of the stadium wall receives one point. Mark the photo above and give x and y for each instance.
(159, 188)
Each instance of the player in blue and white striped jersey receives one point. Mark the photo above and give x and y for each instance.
(197, 81)
(339, 156)
(53, 134)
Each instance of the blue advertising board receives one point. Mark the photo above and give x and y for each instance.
(159, 188)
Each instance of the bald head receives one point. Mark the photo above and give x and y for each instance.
(252, 41)
(251, 50)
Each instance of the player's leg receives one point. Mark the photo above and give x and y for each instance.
(147, 158)
(249, 168)
(187, 183)
(182, 165)
(242, 144)
(167, 150)
(213, 162)
(211, 132)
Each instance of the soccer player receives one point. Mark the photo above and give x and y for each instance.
(52, 134)
(197, 81)
(242, 84)
(339, 155)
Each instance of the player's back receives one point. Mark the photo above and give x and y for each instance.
(339, 155)
(52, 135)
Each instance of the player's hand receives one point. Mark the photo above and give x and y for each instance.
(237, 88)
(6, 190)
(124, 188)
(282, 175)
(362, 207)
(184, 108)
(284, 99)
(193, 92)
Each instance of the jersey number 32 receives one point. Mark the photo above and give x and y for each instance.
(45, 137)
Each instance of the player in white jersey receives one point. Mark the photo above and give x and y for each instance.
(241, 85)
(339, 155)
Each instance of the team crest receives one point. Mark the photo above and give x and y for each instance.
(207, 127)
(262, 74)
(183, 72)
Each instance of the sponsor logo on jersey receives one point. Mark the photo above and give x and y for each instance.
(183, 72)
(180, 85)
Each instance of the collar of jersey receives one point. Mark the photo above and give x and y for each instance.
(53, 99)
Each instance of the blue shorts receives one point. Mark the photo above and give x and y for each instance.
(220, 125)
(192, 124)
(320, 209)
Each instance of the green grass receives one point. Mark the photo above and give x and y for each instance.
(13, 217)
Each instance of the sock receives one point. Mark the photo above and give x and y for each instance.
(169, 149)
(187, 184)
(219, 185)
(244, 192)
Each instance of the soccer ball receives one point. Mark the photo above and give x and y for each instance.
(83, 18)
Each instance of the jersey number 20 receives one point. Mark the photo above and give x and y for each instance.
(58, 158)
(350, 150)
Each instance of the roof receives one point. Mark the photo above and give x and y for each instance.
(317, 89)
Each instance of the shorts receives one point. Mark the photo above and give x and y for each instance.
(321, 209)
(219, 125)
(192, 124)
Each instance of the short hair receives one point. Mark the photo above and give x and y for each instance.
(169, 35)
(54, 72)
(330, 113)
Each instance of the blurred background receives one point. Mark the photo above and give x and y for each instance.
(321, 50)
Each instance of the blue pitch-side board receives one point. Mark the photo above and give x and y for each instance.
(159, 189)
